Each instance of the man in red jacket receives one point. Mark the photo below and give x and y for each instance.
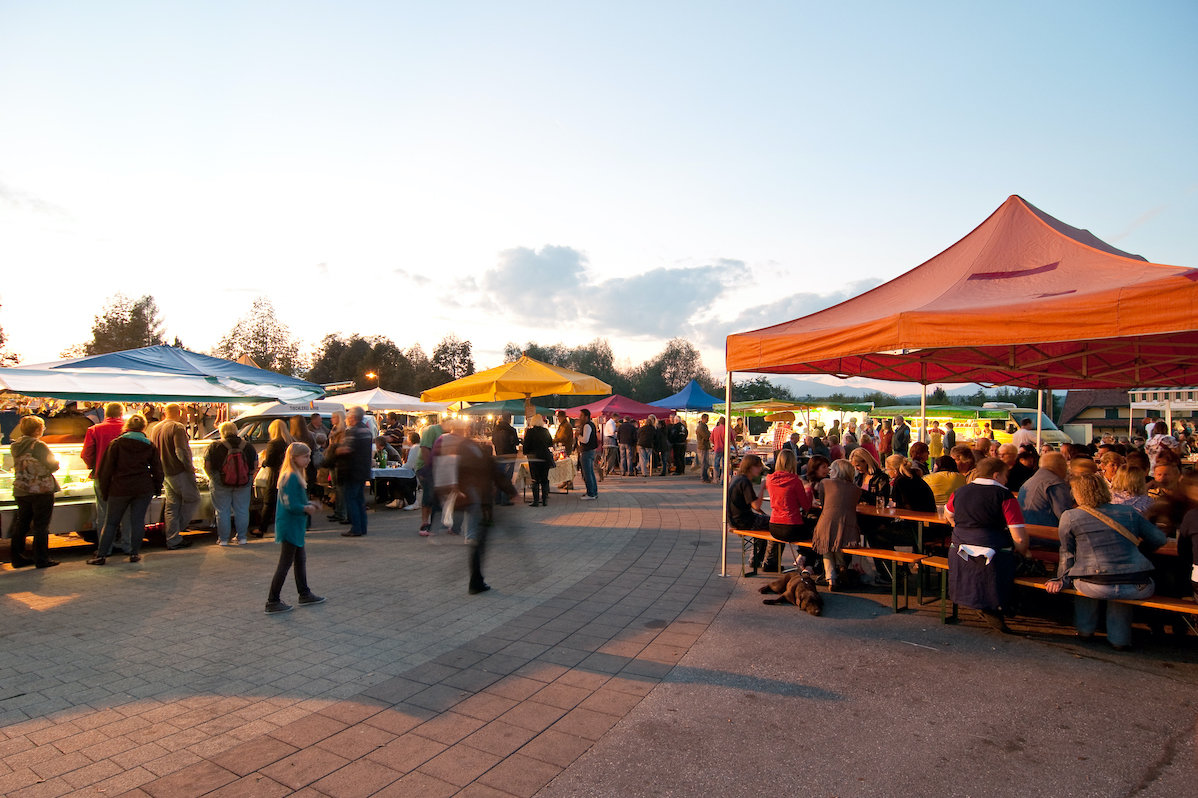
(95, 444)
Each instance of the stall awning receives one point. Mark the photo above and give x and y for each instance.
(1024, 299)
(91, 385)
(692, 397)
(377, 399)
(246, 382)
(621, 405)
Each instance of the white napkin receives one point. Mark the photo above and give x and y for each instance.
(967, 551)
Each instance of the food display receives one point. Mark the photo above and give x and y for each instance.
(74, 505)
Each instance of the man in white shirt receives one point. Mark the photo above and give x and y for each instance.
(611, 448)
(1025, 435)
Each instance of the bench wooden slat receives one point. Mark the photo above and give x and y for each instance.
(1154, 602)
(885, 554)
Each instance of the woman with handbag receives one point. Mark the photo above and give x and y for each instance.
(1101, 558)
(33, 488)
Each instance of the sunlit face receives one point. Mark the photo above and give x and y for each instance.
(1108, 470)
(302, 460)
(964, 465)
(860, 466)
(822, 471)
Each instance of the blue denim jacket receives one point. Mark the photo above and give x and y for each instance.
(1089, 547)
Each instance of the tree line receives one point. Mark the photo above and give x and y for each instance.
(129, 323)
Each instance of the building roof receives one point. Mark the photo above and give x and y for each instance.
(1078, 401)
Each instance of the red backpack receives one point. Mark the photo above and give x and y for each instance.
(235, 471)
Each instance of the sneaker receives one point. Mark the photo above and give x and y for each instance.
(312, 598)
(242, 542)
(273, 607)
(425, 531)
(396, 504)
(589, 498)
(410, 507)
(47, 564)
(97, 561)
(182, 544)
(223, 543)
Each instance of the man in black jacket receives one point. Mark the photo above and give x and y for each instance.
(678, 436)
(505, 440)
(626, 438)
(355, 454)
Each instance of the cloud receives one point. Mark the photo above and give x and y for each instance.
(659, 302)
(412, 277)
(25, 201)
(785, 309)
(662, 302)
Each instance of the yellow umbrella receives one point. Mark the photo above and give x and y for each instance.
(521, 379)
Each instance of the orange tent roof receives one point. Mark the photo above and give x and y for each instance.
(1024, 299)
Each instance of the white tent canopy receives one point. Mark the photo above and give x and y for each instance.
(379, 400)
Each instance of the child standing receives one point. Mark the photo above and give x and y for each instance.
(292, 511)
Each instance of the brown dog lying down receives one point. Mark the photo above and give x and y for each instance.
(798, 589)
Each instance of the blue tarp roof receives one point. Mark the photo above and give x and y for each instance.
(231, 378)
(164, 359)
(692, 397)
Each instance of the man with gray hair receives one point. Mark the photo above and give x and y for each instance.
(169, 437)
(354, 456)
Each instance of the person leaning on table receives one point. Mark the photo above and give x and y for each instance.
(1100, 558)
(988, 529)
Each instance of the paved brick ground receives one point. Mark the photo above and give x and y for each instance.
(166, 678)
(610, 659)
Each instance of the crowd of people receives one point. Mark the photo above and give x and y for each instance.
(1113, 502)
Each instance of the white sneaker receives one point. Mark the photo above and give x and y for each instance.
(395, 504)
(589, 498)
(410, 507)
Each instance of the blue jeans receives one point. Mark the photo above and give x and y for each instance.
(232, 507)
(502, 498)
(182, 503)
(704, 458)
(123, 535)
(646, 460)
(355, 505)
(627, 458)
(717, 472)
(587, 459)
(1118, 616)
(118, 506)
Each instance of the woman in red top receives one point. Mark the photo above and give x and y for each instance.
(789, 499)
(885, 440)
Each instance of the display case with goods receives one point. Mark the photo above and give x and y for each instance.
(74, 504)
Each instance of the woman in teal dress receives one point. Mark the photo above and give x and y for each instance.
(292, 511)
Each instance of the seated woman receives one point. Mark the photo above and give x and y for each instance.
(919, 456)
(944, 480)
(789, 500)
(1101, 559)
(837, 527)
(384, 490)
(870, 477)
(744, 512)
(987, 531)
(908, 491)
(817, 470)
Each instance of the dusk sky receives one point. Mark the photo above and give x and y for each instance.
(561, 171)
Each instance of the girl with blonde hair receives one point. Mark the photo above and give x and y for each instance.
(292, 515)
(272, 460)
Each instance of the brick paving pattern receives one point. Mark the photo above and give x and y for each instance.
(167, 679)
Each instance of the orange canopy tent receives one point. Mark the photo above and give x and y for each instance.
(1023, 300)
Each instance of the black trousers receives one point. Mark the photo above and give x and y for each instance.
(268, 509)
(680, 459)
(539, 472)
(33, 512)
(290, 556)
(478, 547)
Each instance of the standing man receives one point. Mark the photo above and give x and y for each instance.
(95, 444)
(428, 496)
(626, 437)
(169, 437)
(611, 447)
(678, 435)
(588, 444)
(703, 447)
(1025, 436)
(717, 445)
(505, 440)
(354, 456)
(902, 436)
